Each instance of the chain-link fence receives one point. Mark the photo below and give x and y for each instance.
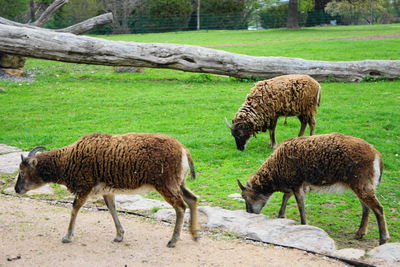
(235, 21)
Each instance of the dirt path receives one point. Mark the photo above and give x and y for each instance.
(33, 229)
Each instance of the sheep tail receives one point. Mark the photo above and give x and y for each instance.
(285, 122)
(191, 165)
(319, 95)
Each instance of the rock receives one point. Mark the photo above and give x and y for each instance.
(11, 61)
(122, 69)
(44, 190)
(8, 149)
(169, 214)
(9, 163)
(136, 202)
(236, 196)
(14, 72)
(387, 252)
(277, 231)
(2, 90)
(349, 253)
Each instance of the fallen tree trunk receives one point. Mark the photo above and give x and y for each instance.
(67, 47)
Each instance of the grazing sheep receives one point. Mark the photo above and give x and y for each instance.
(328, 162)
(111, 164)
(288, 95)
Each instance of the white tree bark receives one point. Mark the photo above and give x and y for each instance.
(49, 12)
(38, 43)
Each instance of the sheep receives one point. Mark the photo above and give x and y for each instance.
(287, 95)
(110, 164)
(327, 163)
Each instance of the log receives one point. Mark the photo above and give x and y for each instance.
(67, 47)
(88, 24)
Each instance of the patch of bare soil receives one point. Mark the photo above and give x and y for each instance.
(368, 37)
(31, 232)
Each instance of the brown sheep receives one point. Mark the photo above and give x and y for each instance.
(328, 162)
(287, 95)
(109, 164)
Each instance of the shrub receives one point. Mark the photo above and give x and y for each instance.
(161, 16)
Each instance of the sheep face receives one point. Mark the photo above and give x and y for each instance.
(27, 177)
(254, 201)
(242, 133)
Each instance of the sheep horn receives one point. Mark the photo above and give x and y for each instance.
(241, 186)
(228, 124)
(35, 150)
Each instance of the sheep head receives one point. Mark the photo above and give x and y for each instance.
(254, 201)
(28, 178)
(242, 132)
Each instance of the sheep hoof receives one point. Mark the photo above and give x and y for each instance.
(359, 235)
(171, 244)
(118, 239)
(66, 239)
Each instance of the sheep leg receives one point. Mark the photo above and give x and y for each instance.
(78, 203)
(176, 201)
(110, 202)
(282, 211)
(303, 126)
(272, 140)
(362, 230)
(370, 200)
(311, 122)
(299, 195)
(191, 200)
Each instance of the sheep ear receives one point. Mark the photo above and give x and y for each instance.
(32, 162)
(241, 186)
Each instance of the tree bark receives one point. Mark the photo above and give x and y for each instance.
(293, 15)
(88, 24)
(38, 43)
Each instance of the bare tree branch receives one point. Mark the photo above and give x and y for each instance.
(88, 24)
(49, 12)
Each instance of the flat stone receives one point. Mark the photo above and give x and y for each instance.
(44, 190)
(14, 72)
(236, 196)
(349, 253)
(9, 163)
(11, 61)
(277, 231)
(387, 252)
(8, 149)
(137, 202)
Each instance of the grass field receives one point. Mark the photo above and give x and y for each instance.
(67, 101)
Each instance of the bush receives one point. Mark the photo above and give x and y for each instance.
(161, 16)
(223, 14)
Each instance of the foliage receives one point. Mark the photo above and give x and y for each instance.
(357, 11)
(276, 16)
(161, 15)
(73, 12)
(224, 14)
(70, 100)
(11, 9)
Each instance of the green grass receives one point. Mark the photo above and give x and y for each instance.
(68, 101)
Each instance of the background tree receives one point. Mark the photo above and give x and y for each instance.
(293, 15)
(357, 11)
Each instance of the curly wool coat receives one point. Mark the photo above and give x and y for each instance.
(119, 161)
(287, 95)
